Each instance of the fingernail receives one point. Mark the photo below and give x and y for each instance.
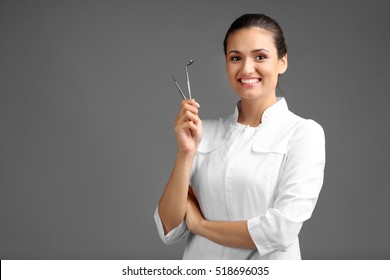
(197, 104)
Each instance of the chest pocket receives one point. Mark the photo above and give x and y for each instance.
(207, 146)
(269, 146)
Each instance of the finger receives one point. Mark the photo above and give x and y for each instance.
(188, 127)
(183, 112)
(192, 117)
(194, 103)
(193, 127)
(195, 130)
(188, 107)
(186, 116)
(191, 102)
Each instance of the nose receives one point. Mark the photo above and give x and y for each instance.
(248, 67)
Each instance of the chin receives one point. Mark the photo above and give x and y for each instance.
(254, 95)
(249, 94)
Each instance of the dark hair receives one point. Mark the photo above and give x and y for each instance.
(261, 21)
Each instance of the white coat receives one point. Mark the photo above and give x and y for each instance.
(269, 176)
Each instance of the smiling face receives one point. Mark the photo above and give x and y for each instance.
(252, 63)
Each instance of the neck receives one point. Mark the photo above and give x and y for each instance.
(251, 111)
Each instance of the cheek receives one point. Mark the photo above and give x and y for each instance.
(230, 71)
(270, 71)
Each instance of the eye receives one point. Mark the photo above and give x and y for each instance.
(260, 57)
(235, 58)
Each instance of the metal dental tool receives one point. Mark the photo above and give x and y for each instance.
(178, 87)
(188, 81)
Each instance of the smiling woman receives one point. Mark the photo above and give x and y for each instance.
(243, 185)
(253, 67)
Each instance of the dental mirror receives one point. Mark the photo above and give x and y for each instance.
(188, 79)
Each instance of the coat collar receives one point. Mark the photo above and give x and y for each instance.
(275, 111)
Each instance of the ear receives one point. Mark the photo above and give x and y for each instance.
(283, 64)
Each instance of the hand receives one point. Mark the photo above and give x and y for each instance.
(188, 127)
(194, 216)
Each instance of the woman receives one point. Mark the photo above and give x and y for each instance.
(242, 186)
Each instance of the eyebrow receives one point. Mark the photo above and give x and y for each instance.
(254, 51)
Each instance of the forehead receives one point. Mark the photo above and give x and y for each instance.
(250, 38)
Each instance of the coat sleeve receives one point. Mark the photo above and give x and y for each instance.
(175, 235)
(299, 185)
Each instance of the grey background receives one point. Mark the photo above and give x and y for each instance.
(87, 106)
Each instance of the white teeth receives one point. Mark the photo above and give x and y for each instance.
(250, 81)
